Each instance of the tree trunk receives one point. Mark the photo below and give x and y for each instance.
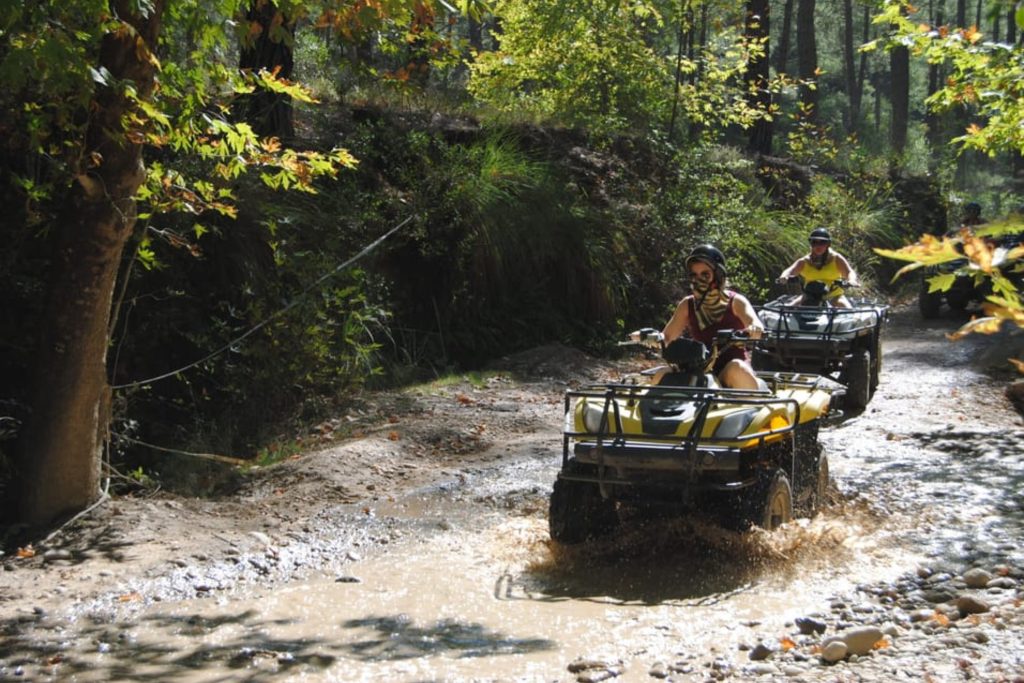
(60, 448)
(476, 34)
(782, 53)
(807, 56)
(899, 97)
(849, 66)
(758, 94)
(933, 121)
(268, 46)
(419, 42)
(961, 13)
(862, 70)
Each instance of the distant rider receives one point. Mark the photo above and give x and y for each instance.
(711, 308)
(823, 264)
(972, 215)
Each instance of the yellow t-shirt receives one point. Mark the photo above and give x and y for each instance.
(828, 274)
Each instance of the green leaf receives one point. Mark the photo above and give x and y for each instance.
(941, 282)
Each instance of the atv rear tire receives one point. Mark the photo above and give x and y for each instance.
(858, 380)
(578, 512)
(929, 303)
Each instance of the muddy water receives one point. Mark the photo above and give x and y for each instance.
(462, 583)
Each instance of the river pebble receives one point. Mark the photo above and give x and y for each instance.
(810, 625)
(969, 604)
(976, 577)
(834, 651)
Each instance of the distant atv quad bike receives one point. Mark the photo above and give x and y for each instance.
(676, 442)
(806, 333)
(970, 285)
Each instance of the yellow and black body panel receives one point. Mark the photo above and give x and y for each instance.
(624, 436)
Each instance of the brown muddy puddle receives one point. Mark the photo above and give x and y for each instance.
(495, 601)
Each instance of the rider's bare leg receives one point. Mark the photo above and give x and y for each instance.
(841, 302)
(738, 374)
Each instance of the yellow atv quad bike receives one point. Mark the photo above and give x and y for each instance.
(680, 443)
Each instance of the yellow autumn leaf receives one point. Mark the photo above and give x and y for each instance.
(986, 325)
(977, 250)
(929, 250)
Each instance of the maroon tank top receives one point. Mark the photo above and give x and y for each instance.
(728, 321)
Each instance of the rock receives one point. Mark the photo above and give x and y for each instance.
(937, 595)
(859, 641)
(976, 577)
(810, 625)
(760, 652)
(968, 604)
(1002, 582)
(56, 554)
(834, 651)
(760, 669)
(659, 670)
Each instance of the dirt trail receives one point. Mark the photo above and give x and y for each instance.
(418, 551)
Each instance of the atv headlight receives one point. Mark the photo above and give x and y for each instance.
(592, 415)
(734, 424)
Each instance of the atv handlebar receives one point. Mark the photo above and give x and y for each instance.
(647, 336)
(835, 284)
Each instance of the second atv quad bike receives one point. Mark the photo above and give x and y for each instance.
(805, 333)
(684, 444)
(970, 285)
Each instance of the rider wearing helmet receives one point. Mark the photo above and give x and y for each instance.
(711, 308)
(972, 215)
(823, 264)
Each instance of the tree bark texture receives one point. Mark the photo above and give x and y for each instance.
(899, 97)
(61, 446)
(807, 56)
(849, 67)
(758, 29)
(782, 53)
(269, 48)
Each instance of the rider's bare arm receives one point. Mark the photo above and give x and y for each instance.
(678, 323)
(794, 269)
(745, 311)
(846, 270)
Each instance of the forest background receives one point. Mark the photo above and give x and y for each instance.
(224, 220)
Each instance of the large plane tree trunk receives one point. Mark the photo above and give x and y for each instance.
(268, 46)
(60, 447)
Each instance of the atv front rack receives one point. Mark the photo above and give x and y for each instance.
(803, 323)
(613, 456)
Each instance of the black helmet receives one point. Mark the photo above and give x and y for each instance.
(820, 234)
(712, 256)
(972, 209)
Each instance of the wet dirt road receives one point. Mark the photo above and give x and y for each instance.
(458, 582)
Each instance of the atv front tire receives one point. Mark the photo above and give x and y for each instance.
(578, 512)
(778, 503)
(876, 362)
(929, 303)
(767, 504)
(858, 380)
(816, 497)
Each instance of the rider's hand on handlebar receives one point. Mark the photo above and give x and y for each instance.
(754, 331)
